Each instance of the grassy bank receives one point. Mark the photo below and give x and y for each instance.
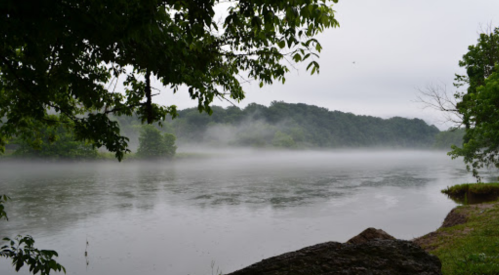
(473, 192)
(475, 188)
(468, 242)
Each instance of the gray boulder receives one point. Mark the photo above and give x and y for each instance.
(370, 234)
(374, 257)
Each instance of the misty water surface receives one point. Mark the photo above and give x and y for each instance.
(225, 212)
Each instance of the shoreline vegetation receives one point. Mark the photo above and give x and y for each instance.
(468, 240)
(280, 126)
(10, 155)
(472, 193)
(103, 156)
(467, 243)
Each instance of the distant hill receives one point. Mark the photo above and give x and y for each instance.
(296, 126)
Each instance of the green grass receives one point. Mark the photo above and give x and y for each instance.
(474, 188)
(472, 193)
(471, 248)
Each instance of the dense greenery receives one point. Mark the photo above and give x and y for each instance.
(480, 104)
(445, 139)
(299, 125)
(69, 56)
(281, 125)
(55, 141)
(154, 144)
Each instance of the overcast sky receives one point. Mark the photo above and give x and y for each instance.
(374, 63)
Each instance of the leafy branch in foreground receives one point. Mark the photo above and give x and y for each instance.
(22, 252)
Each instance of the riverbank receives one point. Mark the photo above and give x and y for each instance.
(10, 155)
(473, 192)
(467, 243)
(468, 240)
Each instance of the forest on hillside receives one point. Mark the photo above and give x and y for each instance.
(289, 125)
(281, 125)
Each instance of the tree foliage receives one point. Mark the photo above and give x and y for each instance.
(283, 140)
(301, 126)
(480, 104)
(22, 252)
(154, 144)
(69, 57)
(481, 141)
(55, 140)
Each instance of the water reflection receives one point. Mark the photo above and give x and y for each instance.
(53, 196)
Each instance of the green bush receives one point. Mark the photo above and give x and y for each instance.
(154, 144)
(54, 141)
(283, 140)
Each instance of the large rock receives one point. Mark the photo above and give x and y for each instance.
(454, 218)
(375, 257)
(370, 234)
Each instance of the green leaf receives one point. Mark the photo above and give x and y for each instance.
(297, 57)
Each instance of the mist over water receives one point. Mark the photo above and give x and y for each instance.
(226, 211)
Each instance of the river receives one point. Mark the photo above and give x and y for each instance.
(220, 213)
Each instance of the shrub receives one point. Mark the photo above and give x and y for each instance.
(154, 144)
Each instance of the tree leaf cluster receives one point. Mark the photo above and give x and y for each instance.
(22, 252)
(480, 104)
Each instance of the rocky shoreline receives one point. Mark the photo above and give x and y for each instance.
(371, 252)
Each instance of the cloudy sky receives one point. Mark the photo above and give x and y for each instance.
(382, 53)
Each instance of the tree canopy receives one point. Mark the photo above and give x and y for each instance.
(480, 104)
(69, 56)
(55, 142)
(154, 144)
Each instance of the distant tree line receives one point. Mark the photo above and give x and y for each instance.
(58, 141)
(445, 139)
(299, 126)
(281, 125)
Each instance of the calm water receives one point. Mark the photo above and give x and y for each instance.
(197, 216)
